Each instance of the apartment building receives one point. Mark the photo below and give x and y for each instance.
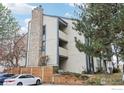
(51, 42)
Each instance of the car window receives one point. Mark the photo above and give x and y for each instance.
(29, 76)
(14, 76)
(2, 74)
(8, 75)
(23, 76)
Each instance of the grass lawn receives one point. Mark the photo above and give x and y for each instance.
(106, 79)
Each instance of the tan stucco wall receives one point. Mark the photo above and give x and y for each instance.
(51, 39)
(76, 60)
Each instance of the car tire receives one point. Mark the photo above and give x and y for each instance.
(19, 84)
(38, 82)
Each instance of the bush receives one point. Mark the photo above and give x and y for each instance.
(116, 70)
(55, 69)
(84, 72)
(94, 81)
(99, 70)
(66, 73)
(77, 75)
(71, 73)
(83, 77)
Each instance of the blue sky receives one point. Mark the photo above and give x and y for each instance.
(22, 11)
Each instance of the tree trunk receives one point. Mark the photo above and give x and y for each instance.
(89, 64)
(17, 61)
(116, 54)
(100, 64)
(117, 61)
(105, 65)
(92, 64)
(123, 68)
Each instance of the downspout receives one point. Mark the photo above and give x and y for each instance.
(28, 37)
(58, 42)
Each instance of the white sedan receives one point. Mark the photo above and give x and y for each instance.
(22, 79)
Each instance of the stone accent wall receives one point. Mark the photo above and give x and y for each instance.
(35, 37)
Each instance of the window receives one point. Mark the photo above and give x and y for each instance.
(14, 76)
(29, 76)
(23, 76)
(44, 39)
(8, 75)
(44, 29)
(43, 45)
(44, 33)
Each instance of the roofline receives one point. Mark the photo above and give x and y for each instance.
(62, 21)
(58, 16)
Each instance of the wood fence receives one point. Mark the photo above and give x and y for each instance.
(45, 72)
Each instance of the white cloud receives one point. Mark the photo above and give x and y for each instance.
(23, 30)
(20, 8)
(26, 21)
(47, 1)
(71, 4)
(67, 15)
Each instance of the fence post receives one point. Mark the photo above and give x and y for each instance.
(43, 74)
(20, 70)
(11, 69)
(53, 79)
(31, 71)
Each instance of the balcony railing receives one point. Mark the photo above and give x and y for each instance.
(63, 52)
(63, 36)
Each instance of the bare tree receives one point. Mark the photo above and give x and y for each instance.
(16, 50)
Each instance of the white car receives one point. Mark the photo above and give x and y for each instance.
(22, 79)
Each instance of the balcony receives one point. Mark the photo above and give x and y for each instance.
(63, 52)
(62, 24)
(63, 36)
